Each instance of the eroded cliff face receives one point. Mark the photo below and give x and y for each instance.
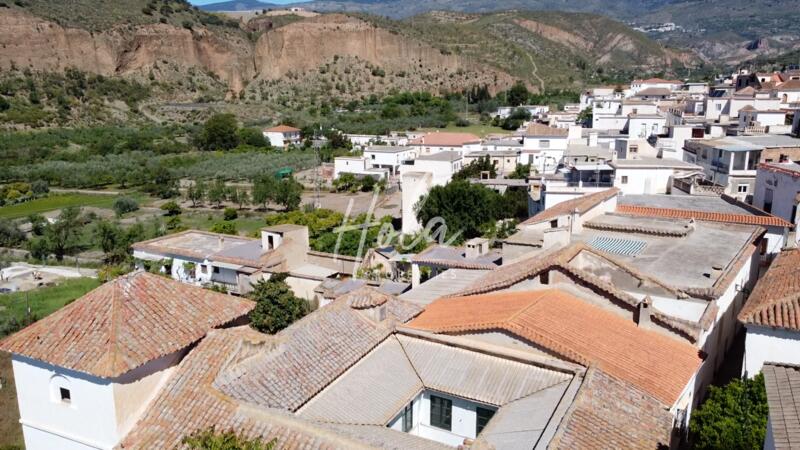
(308, 44)
(29, 41)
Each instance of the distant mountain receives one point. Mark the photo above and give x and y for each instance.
(721, 31)
(239, 5)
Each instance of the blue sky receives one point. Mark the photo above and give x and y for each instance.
(205, 2)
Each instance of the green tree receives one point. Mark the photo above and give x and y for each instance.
(252, 137)
(230, 214)
(38, 224)
(113, 241)
(171, 208)
(464, 207)
(276, 305)
(734, 417)
(10, 235)
(62, 235)
(518, 94)
(39, 248)
(585, 117)
(124, 205)
(228, 440)
(474, 169)
(217, 192)
(264, 190)
(219, 133)
(288, 193)
(196, 192)
(225, 228)
(521, 171)
(240, 197)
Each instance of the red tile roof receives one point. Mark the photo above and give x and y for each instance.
(608, 413)
(783, 168)
(791, 85)
(578, 331)
(282, 129)
(764, 219)
(126, 323)
(538, 129)
(775, 301)
(581, 204)
(444, 139)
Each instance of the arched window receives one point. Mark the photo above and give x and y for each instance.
(785, 98)
(60, 390)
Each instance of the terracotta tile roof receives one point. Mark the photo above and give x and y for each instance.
(445, 139)
(538, 129)
(310, 354)
(763, 219)
(791, 85)
(366, 297)
(125, 323)
(581, 204)
(609, 413)
(455, 258)
(577, 331)
(189, 403)
(282, 129)
(775, 301)
(783, 395)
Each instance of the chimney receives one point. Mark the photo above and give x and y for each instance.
(644, 312)
(221, 242)
(790, 243)
(476, 247)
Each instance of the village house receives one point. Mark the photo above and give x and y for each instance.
(388, 157)
(359, 166)
(778, 189)
(86, 373)
(732, 162)
(437, 141)
(282, 136)
(653, 83)
(773, 329)
(544, 146)
(236, 263)
(365, 349)
(503, 161)
(418, 176)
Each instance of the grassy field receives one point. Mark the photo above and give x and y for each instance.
(10, 430)
(46, 300)
(54, 202)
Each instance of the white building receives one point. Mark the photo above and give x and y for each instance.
(282, 136)
(388, 157)
(639, 85)
(86, 373)
(778, 189)
(418, 176)
(648, 175)
(773, 331)
(436, 142)
(360, 166)
(544, 146)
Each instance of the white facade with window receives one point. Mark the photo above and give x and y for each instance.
(443, 418)
(777, 189)
(68, 410)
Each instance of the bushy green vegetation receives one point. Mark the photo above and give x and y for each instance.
(733, 417)
(37, 99)
(470, 210)
(224, 440)
(276, 305)
(53, 202)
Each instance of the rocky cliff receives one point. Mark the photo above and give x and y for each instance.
(30, 41)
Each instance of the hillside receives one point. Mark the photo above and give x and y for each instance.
(725, 31)
(263, 65)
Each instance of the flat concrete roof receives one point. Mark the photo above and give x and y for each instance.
(685, 261)
(441, 156)
(651, 162)
(196, 243)
(386, 149)
(685, 202)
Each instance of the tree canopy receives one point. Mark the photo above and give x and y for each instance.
(734, 417)
(276, 305)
